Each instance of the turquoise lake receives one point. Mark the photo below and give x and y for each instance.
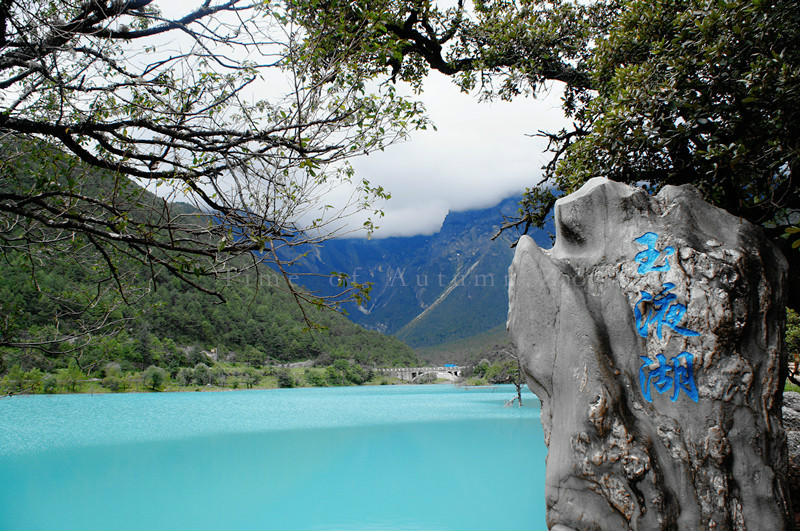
(430, 457)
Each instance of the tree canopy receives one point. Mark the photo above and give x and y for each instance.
(198, 144)
(660, 92)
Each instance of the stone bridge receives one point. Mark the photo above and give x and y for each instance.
(410, 374)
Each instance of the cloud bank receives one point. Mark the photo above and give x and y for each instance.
(479, 154)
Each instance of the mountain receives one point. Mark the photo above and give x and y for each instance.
(427, 290)
(256, 324)
(47, 296)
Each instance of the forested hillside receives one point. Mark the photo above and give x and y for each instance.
(255, 324)
(178, 329)
(492, 345)
(68, 303)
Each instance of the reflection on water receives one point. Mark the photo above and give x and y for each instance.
(431, 457)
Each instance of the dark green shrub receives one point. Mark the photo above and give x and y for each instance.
(155, 378)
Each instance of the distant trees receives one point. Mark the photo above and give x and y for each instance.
(267, 322)
(106, 103)
(155, 377)
(114, 383)
(69, 377)
(346, 372)
(505, 369)
(315, 378)
(214, 376)
(285, 379)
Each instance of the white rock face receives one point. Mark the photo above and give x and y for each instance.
(652, 333)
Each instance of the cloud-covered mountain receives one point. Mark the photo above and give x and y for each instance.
(427, 290)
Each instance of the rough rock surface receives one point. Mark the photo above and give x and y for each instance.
(791, 423)
(652, 333)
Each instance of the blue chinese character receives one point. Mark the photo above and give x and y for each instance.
(658, 376)
(661, 310)
(684, 376)
(668, 375)
(647, 259)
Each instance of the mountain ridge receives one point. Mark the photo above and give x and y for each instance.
(427, 289)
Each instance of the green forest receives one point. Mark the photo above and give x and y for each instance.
(179, 335)
(79, 316)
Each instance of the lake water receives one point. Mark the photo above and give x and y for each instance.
(354, 458)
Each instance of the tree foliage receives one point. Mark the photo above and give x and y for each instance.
(155, 377)
(698, 92)
(110, 112)
(660, 92)
(185, 333)
(504, 47)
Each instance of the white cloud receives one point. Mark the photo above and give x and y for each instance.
(479, 155)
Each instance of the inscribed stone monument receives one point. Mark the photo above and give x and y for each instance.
(652, 333)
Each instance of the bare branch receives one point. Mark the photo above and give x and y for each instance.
(105, 103)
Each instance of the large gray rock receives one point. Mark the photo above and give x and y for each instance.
(651, 332)
(791, 412)
(791, 423)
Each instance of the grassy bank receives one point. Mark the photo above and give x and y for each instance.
(201, 377)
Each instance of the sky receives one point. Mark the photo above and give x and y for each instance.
(480, 153)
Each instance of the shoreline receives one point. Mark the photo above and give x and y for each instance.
(217, 389)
